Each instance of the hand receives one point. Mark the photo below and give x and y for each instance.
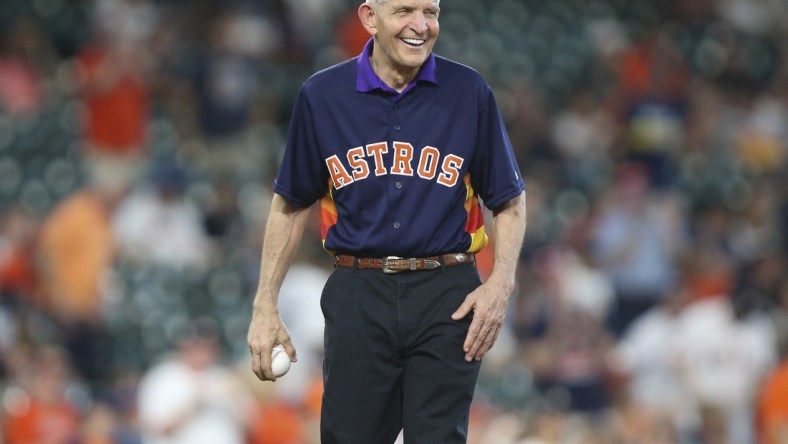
(488, 304)
(265, 331)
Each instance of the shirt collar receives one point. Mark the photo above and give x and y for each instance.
(367, 80)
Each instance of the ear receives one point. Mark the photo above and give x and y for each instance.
(366, 13)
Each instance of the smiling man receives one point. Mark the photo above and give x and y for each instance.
(404, 34)
(399, 146)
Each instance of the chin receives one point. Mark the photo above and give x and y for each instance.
(414, 62)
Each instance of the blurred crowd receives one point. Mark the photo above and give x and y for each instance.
(138, 144)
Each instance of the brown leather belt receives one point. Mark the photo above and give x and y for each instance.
(395, 264)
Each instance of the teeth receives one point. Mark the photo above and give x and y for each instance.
(415, 42)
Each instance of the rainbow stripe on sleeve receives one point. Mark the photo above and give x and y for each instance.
(474, 225)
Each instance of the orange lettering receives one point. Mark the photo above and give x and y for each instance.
(450, 170)
(339, 175)
(355, 156)
(403, 156)
(428, 162)
(378, 150)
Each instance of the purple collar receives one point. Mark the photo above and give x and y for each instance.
(367, 80)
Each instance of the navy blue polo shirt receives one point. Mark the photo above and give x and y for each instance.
(398, 173)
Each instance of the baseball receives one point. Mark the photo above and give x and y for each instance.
(280, 361)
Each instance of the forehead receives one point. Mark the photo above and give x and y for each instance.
(411, 3)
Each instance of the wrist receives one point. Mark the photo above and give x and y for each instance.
(505, 281)
(264, 306)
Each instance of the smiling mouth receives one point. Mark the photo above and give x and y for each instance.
(414, 42)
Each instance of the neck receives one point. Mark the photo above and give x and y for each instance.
(397, 79)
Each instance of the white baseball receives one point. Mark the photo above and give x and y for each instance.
(280, 361)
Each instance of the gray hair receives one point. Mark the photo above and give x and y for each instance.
(379, 2)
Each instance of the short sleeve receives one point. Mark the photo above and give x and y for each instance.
(302, 178)
(494, 170)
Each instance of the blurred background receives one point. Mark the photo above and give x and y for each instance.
(138, 144)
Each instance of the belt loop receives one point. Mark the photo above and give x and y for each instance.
(442, 261)
(355, 265)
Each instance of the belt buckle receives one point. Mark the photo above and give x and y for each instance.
(385, 265)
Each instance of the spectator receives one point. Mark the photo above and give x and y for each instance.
(159, 224)
(192, 397)
(19, 233)
(350, 36)
(36, 408)
(721, 358)
(226, 88)
(77, 248)
(756, 230)
(636, 243)
(75, 255)
(114, 75)
(21, 84)
(646, 359)
(574, 339)
(708, 261)
(583, 133)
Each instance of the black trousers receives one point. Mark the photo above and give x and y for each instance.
(393, 356)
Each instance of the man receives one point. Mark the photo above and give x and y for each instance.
(398, 144)
(191, 396)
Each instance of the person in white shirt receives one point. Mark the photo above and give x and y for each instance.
(159, 224)
(191, 397)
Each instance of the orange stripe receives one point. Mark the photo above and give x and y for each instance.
(328, 214)
(475, 223)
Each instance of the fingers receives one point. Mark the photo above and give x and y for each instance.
(479, 344)
(257, 365)
(291, 351)
(264, 333)
(479, 338)
(261, 349)
(473, 333)
(464, 309)
(488, 304)
(265, 364)
(261, 362)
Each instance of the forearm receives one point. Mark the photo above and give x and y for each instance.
(488, 302)
(283, 233)
(508, 231)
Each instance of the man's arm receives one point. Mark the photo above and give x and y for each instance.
(283, 233)
(490, 300)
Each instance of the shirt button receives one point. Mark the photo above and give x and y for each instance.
(396, 107)
(396, 224)
(398, 184)
(396, 127)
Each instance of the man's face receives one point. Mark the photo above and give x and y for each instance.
(405, 32)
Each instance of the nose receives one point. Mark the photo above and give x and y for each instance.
(420, 22)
